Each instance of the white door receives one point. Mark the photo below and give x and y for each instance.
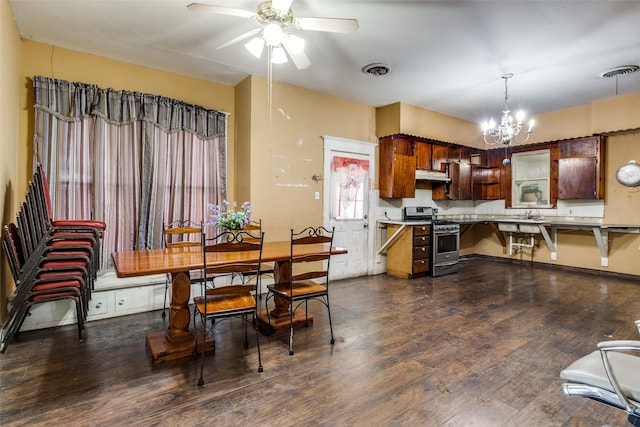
(348, 173)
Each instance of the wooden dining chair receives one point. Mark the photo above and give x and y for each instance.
(266, 269)
(179, 234)
(233, 300)
(309, 278)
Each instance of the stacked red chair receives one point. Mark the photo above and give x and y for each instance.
(49, 260)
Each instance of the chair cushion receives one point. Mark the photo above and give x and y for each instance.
(590, 370)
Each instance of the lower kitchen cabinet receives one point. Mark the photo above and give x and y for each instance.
(409, 255)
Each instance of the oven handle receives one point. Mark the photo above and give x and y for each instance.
(442, 232)
(446, 264)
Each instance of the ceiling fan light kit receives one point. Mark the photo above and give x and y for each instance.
(275, 16)
(255, 46)
(509, 128)
(278, 56)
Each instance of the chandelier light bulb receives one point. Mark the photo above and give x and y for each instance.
(273, 34)
(520, 116)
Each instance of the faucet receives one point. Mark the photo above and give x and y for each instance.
(527, 214)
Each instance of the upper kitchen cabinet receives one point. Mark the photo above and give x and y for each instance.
(581, 168)
(439, 157)
(397, 167)
(487, 176)
(422, 151)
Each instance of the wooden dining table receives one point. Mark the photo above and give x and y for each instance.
(179, 339)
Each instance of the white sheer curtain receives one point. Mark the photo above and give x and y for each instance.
(131, 160)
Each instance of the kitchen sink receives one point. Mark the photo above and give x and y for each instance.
(520, 225)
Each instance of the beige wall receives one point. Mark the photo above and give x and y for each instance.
(411, 120)
(9, 171)
(286, 150)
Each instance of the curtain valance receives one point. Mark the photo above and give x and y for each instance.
(71, 101)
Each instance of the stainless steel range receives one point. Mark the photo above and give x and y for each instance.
(445, 239)
(445, 245)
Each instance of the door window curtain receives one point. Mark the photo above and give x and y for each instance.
(129, 159)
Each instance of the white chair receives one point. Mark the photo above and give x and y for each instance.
(609, 375)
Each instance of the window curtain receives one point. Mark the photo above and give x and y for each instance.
(132, 160)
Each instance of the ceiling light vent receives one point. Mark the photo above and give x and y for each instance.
(618, 71)
(376, 69)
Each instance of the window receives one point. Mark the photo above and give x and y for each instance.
(347, 178)
(157, 160)
(530, 179)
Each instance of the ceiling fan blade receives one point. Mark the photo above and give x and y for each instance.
(332, 25)
(201, 7)
(281, 5)
(299, 58)
(240, 38)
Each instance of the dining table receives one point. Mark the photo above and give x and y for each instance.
(179, 339)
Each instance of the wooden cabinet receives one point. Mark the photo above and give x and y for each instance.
(580, 168)
(460, 185)
(422, 151)
(397, 167)
(459, 188)
(438, 157)
(486, 182)
(487, 177)
(409, 255)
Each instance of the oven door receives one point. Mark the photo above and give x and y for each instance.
(445, 245)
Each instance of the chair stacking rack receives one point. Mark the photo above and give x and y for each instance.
(609, 375)
(226, 301)
(304, 285)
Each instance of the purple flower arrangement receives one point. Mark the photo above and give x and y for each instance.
(227, 217)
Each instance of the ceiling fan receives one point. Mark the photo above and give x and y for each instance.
(276, 17)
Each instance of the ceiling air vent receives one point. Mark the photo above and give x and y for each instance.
(618, 71)
(376, 69)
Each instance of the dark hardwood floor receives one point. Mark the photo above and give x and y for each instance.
(483, 347)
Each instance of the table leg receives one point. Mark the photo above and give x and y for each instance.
(278, 318)
(178, 340)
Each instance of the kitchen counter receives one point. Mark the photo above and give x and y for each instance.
(382, 223)
(548, 227)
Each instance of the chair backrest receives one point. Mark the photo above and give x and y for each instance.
(311, 236)
(184, 233)
(253, 227)
(13, 250)
(42, 185)
(232, 244)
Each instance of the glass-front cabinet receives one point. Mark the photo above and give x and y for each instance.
(531, 179)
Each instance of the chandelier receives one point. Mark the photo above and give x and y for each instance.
(507, 131)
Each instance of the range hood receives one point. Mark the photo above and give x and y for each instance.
(428, 175)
